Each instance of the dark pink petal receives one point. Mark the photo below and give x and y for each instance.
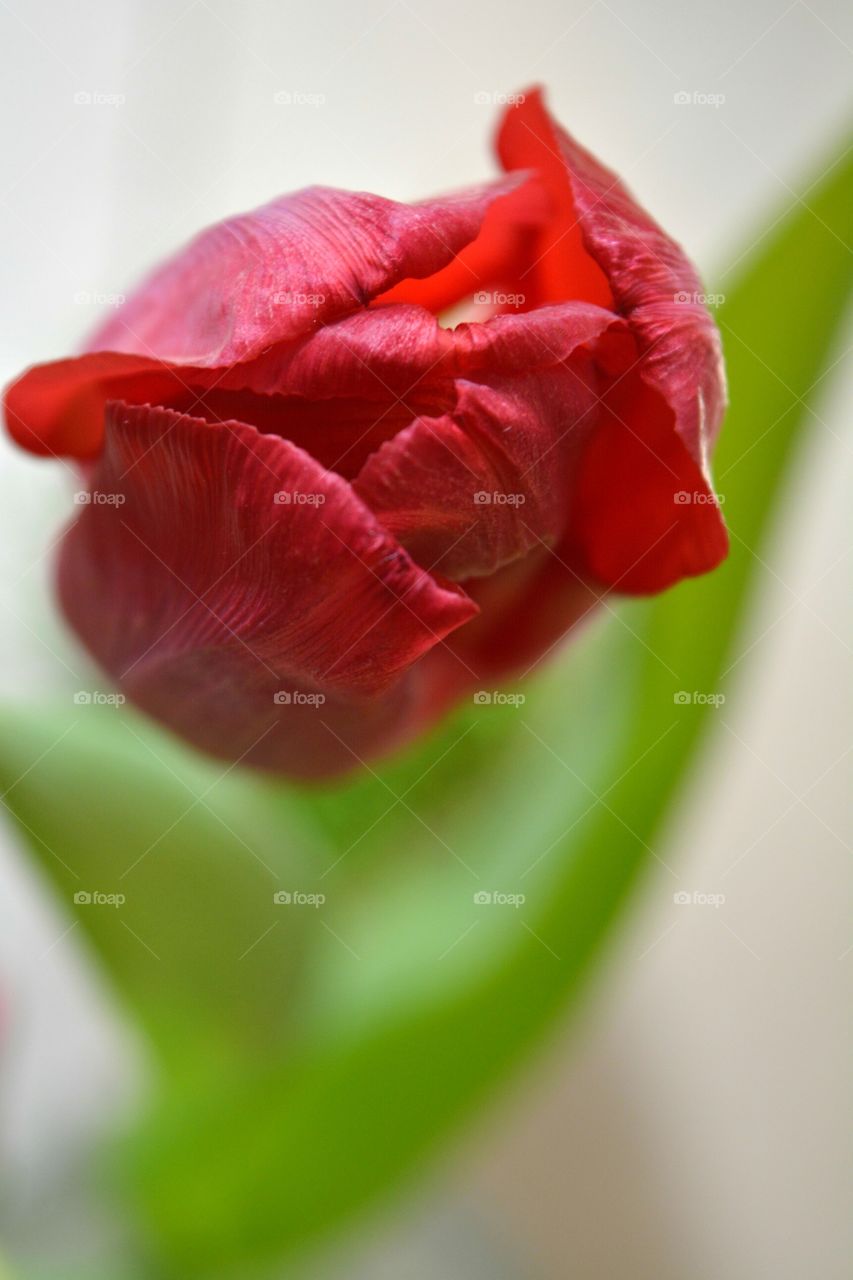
(239, 288)
(392, 350)
(204, 596)
(274, 274)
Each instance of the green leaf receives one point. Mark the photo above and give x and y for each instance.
(168, 865)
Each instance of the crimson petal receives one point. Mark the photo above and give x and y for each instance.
(208, 573)
(479, 486)
(274, 274)
(239, 288)
(657, 290)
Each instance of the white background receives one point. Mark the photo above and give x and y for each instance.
(694, 1127)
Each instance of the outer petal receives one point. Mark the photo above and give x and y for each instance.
(240, 287)
(643, 517)
(273, 274)
(57, 409)
(636, 471)
(204, 597)
(651, 279)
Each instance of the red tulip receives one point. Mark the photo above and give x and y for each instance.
(318, 515)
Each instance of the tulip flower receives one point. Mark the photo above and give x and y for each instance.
(348, 461)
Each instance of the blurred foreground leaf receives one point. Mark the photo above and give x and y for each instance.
(169, 864)
(411, 1000)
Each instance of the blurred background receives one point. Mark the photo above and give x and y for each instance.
(692, 1122)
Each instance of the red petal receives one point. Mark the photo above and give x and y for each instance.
(477, 487)
(527, 610)
(650, 448)
(644, 516)
(274, 274)
(57, 409)
(239, 288)
(505, 245)
(561, 266)
(203, 596)
(651, 279)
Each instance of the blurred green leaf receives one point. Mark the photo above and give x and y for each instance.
(412, 1002)
(197, 947)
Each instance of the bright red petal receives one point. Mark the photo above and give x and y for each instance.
(652, 281)
(635, 531)
(505, 246)
(643, 515)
